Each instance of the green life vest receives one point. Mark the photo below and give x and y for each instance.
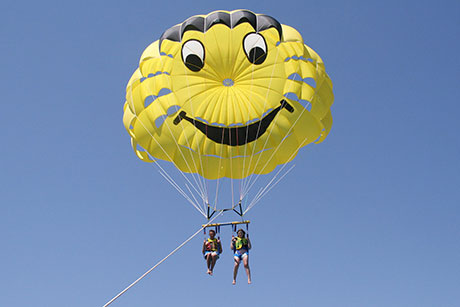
(241, 243)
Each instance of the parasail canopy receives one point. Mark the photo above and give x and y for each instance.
(228, 94)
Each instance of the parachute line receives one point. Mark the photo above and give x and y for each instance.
(161, 261)
(278, 146)
(198, 183)
(284, 165)
(200, 179)
(249, 186)
(246, 181)
(196, 178)
(168, 178)
(265, 191)
(220, 164)
(153, 159)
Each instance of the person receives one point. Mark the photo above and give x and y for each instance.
(212, 248)
(241, 246)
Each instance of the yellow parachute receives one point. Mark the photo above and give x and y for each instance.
(228, 94)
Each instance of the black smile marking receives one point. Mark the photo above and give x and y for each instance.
(235, 136)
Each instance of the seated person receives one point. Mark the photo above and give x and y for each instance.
(241, 246)
(212, 248)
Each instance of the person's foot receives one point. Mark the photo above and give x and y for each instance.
(233, 282)
(249, 281)
(209, 272)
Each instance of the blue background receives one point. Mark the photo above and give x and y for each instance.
(370, 217)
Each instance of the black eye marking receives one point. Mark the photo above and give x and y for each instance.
(193, 55)
(255, 47)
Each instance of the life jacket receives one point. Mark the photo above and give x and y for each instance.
(211, 244)
(241, 243)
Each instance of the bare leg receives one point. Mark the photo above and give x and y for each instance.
(213, 263)
(208, 262)
(246, 267)
(235, 269)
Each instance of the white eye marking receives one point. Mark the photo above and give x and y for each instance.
(193, 55)
(255, 48)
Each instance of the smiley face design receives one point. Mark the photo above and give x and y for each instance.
(228, 94)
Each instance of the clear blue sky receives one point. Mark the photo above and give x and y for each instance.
(370, 217)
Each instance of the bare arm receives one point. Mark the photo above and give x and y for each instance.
(204, 247)
(249, 243)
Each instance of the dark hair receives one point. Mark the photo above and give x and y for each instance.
(244, 232)
(212, 231)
